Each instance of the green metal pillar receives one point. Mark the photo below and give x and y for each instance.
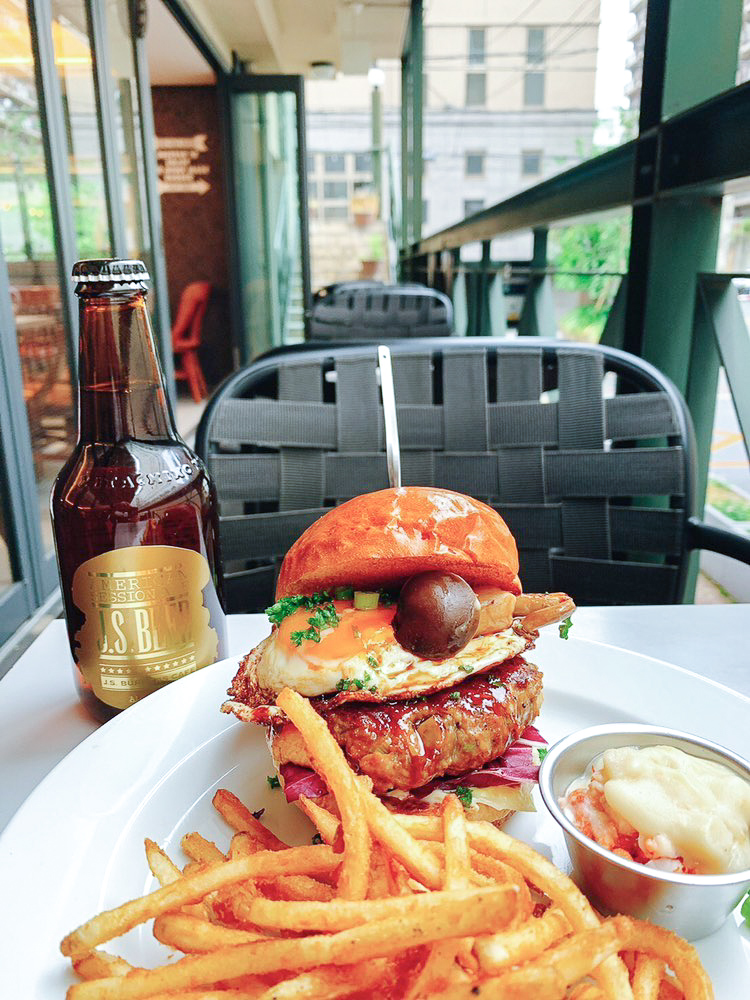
(377, 146)
(411, 127)
(538, 313)
(690, 55)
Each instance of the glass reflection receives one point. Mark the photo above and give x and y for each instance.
(74, 68)
(28, 242)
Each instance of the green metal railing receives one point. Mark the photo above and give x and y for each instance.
(670, 308)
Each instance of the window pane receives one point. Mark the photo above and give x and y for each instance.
(363, 163)
(312, 189)
(476, 89)
(425, 213)
(127, 130)
(334, 189)
(531, 161)
(28, 242)
(472, 205)
(476, 45)
(535, 45)
(74, 68)
(311, 163)
(6, 569)
(336, 212)
(533, 89)
(474, 164)
(335, 163)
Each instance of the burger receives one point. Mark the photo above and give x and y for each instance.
(400, 615)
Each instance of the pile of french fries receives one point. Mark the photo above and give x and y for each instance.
(385, 905)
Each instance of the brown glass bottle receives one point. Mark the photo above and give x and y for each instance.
(133, 510)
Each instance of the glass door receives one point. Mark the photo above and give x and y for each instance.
(269, 208)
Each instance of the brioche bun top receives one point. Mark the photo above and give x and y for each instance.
(379, 540)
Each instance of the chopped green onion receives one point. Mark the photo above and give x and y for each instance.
(542, 753)
(745, 910)
(466, 667)
(273, 781)
(565, 627)
(464, 796)
(366, 600)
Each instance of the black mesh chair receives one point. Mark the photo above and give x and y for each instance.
(363, 310)
(587, 452)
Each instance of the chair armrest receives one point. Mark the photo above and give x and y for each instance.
(699, 535)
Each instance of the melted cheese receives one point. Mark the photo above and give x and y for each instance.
(363, 651)
(699, 809)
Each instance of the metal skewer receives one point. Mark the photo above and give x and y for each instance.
(392, 450)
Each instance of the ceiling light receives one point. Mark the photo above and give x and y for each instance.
(322, 70)
(375, 76)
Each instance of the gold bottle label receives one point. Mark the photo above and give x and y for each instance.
(146, 623)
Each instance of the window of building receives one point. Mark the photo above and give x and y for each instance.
(311, 163)
(335, 163)
(335, 189)
(474, 164)
(312, 189)
(533, 89)
(363, 163)
(336, 212)
(472, 205)
(476, 90)
(476, 46)
(535, 46)
(531, 162)
(424, 212)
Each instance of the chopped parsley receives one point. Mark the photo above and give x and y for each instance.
(273, 781)
(542, 752)
(565, 627)
(494, 681)
(323, 617)
(288, 605)
(454, 696)
(466, 667)
(357, 684)
(373, 661)
(464, 796)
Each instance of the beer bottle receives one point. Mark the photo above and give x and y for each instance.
(133, 510)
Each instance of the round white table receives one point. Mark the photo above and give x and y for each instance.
(41, 718)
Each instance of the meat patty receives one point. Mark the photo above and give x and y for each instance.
(406, 744)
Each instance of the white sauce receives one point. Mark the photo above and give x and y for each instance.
(695, 809)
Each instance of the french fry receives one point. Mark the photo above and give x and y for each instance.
(386, 829)
(647, 977)
(190, 934)
(343, 914)
(680, 956)
(325, 822)
(586, 991)
(162, 867)
(329, 983)
(377, 939)
(113, 923)
(329, 761)
(239, 817)
(487, 839)
(497, 952)
(199, 849)
(98, 964)
(458, 872)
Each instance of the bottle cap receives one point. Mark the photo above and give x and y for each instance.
(121, 273)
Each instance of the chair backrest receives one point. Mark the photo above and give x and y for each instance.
(187, 329)
(368, 311)
(565, 440)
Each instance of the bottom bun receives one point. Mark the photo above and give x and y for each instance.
(287, 747)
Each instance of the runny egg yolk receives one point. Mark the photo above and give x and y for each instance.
(351, 637)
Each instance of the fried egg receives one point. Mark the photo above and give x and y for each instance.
(361, 654)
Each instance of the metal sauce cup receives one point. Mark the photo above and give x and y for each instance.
(691, 905)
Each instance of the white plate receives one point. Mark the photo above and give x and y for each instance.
(76, 845)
